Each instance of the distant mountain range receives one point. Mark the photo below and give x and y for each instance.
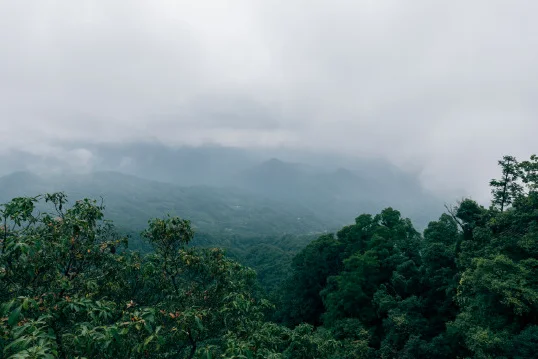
(226, 191)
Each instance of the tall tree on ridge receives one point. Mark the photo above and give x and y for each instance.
(506, 189)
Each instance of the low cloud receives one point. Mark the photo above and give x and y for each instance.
(442, 88)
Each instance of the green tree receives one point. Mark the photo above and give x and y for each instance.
(69, 288)
(529, 175)
(506, 189)
(384, 271)
(498, 291)
(301, 299)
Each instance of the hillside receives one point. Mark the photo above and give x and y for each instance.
(131, 200)
(331, 190)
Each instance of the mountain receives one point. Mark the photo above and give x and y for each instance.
(333, 189)
(186, 166)
(277, 179)
(342, 194)
(130, 201)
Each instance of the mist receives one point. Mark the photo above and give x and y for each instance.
(440, 90)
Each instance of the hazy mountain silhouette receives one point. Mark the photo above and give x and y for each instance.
(140, 180)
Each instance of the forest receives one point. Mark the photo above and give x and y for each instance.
(72, 285)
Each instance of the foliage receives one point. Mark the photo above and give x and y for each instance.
(466, 287)
(70, 289)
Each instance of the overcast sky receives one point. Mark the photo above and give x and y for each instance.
(443, 86)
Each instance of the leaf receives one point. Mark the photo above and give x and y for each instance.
(14, 316)
(149, 339)
(198, 323)
(25, 303)
(24, 340)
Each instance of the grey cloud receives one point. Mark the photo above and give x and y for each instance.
(442, 87)
(222, 111)
(228, 111)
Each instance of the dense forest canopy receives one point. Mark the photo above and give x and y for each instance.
(467, 287)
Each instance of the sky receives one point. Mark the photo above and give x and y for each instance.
(440, 87)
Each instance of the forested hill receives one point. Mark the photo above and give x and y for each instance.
(225, 189)
(464, 288)
(130, 201)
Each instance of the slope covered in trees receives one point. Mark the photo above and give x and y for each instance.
(130, 201)
(464, 288)
(332, 188)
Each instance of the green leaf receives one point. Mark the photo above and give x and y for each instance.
(148, 340)
(14, 316)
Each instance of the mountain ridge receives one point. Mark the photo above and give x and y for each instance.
(333, 189)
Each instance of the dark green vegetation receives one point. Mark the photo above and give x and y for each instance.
(465, 288)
